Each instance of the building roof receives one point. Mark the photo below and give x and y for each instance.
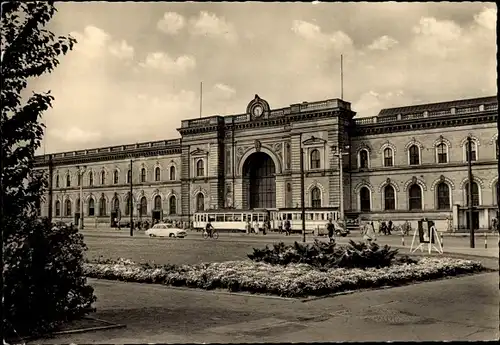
(438, 106)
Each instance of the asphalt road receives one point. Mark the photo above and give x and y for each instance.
(194, 249)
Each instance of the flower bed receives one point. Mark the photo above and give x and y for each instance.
(293, 280)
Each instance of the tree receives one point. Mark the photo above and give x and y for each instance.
(42, 281)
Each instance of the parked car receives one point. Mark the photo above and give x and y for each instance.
(165, 230)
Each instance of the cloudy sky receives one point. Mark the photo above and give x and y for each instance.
(136, 70)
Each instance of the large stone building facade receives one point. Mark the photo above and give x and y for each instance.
(404, 163)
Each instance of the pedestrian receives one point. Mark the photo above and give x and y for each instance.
(248, 227)
(280, 227)
(288, 227)
(331, 230)
(369, 233)
(389, 227)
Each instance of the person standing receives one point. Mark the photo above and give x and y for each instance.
(331, 230)
(369, 233)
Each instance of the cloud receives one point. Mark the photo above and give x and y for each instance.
(487, 18)
(164, 63)
(95, 43)
(75, 135)
(370, 103)
(383, 43)
(437, 38)
(224, 91)
(122, 50)
(209, 25)
(171, 23)
(311, 32)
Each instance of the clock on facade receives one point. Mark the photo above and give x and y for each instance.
(258, 110)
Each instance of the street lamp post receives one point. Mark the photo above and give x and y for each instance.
(131, 203)
(470, 200)
(81, 171)
(302, 192)
(339, 152)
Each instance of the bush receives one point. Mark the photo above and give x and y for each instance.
(325, 255)
(44, 282)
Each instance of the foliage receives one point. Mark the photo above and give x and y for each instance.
(325, 255)
(293, 280)
(44, 279)
(42, 271)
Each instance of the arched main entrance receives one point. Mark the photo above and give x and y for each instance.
(259, 181)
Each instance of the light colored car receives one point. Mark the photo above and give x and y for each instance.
(165, 230)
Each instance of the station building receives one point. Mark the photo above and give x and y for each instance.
(406, 163)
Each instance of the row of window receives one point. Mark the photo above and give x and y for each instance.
(443, 197)
(115, 203)
(414, 155)
(116, 177)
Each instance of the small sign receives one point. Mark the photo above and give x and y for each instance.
(427, 234)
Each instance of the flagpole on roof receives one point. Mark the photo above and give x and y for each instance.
(201, 97)
(341, 77)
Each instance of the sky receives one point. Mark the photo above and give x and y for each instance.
(135, 72)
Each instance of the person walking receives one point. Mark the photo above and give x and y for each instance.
(248, 227)
(288, 227)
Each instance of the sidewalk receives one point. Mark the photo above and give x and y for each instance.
(416, 312)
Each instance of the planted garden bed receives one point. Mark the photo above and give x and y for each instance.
(292, 271)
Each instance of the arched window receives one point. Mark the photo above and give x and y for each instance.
(442, 153)
(103, 177)
(57, 181)
(414, 153)
(91, 207)
(315, 160)
(315, 197)
(144, 206)
(172, 173)
(363, 159)
(364, 196)
(200, 202)
(129, 176)
(158, 202)
(389, 198)
(116, 205)
(77, 205)
(102, 206)
(91, 178)
(415, 197)
(127, 203)
(58, 208)
(172, 205)
(475, 194)
(115, 177)
(157, 174)
(67, 208)
(388, 161)
(143, 175)
(443, 196)
(79, 179)
(200, 168)
(474, 151)
(68, 180)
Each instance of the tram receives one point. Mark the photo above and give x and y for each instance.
(229, 219)
(316, 219)
(236, 220)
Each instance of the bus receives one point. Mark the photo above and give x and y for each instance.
(229, 220)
